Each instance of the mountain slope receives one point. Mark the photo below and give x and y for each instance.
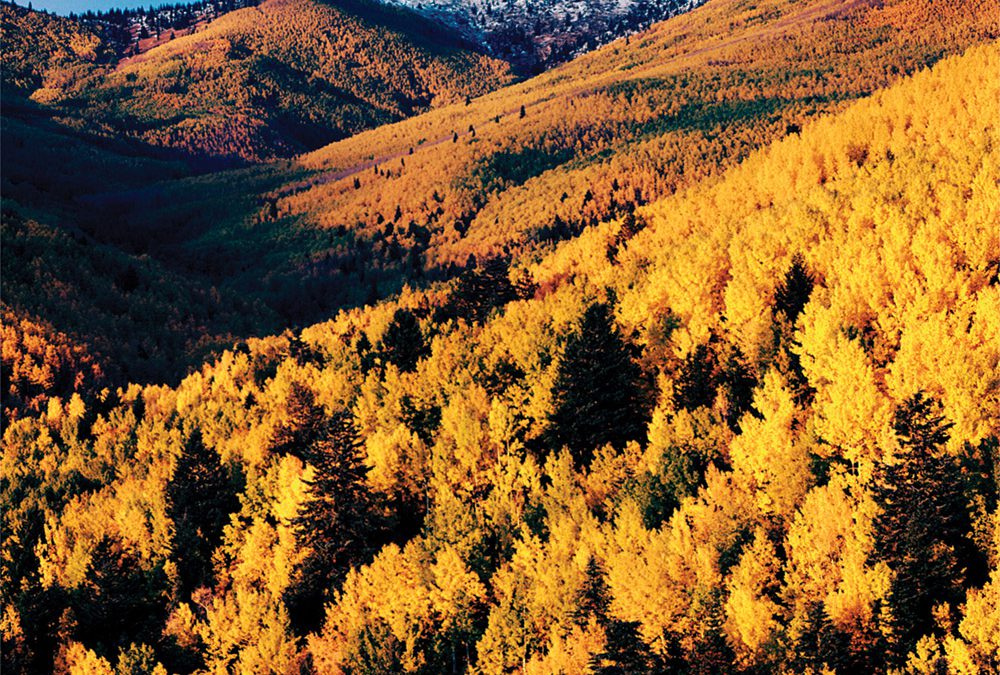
(35, 43)
(282, 77)
(276, 79)
(627, 122)
(793, 472)
(362, 218)
(135, 318)
(625, 125)
(538, 35)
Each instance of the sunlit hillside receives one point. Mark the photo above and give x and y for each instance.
(35, 43)
(84, 141)
(629, 123)
(272, 80)
(749, 427)
(416, 201)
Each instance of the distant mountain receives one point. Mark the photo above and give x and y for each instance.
(537, 34)
(260, 82)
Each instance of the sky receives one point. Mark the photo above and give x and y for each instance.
(65, 7)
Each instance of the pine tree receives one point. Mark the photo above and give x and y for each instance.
(790, 299)
(793, 292)
(624, 652)
(337, 524)
(120, 602)
(480, 289)
(599, 394)
(593, 599)
(403, 343)
(710, 652)
(374, 651)
(921, 530)
(696, 381)
(736, 385)
(820, 644)
(200, 498)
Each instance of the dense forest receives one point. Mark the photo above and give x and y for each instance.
(261, 82)
(682, 357)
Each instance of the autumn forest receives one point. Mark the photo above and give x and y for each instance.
(334, 343)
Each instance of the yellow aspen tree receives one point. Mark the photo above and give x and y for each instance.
(752, 615)
(770, 454)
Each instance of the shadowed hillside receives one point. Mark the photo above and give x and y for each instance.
(136, 317)
(87, 141)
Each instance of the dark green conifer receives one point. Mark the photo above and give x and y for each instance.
(403, 342)
(921, 532)
(200, 498)
(793, 292)
(337, 525)
(599, 396)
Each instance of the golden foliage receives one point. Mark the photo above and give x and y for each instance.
(744, 532)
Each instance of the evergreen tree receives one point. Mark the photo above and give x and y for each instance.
(120, 603)
(199, 500)
(632, 225)
(374, 651)
(482, 288)
(736, 385)
(337, 524)
(625, 653)
(921, 530)
(710, 652)
(695, 384)
(403, 343)
(820, 644)
(793, 292)
(599, 396)
(593, 598)
(790, 298)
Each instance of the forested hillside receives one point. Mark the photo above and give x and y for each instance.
(737, 411)
(260, 82)
(69, 289)
(536, 163)
(187, 265)
(35, 43)
(419, 200)
(87, 143)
